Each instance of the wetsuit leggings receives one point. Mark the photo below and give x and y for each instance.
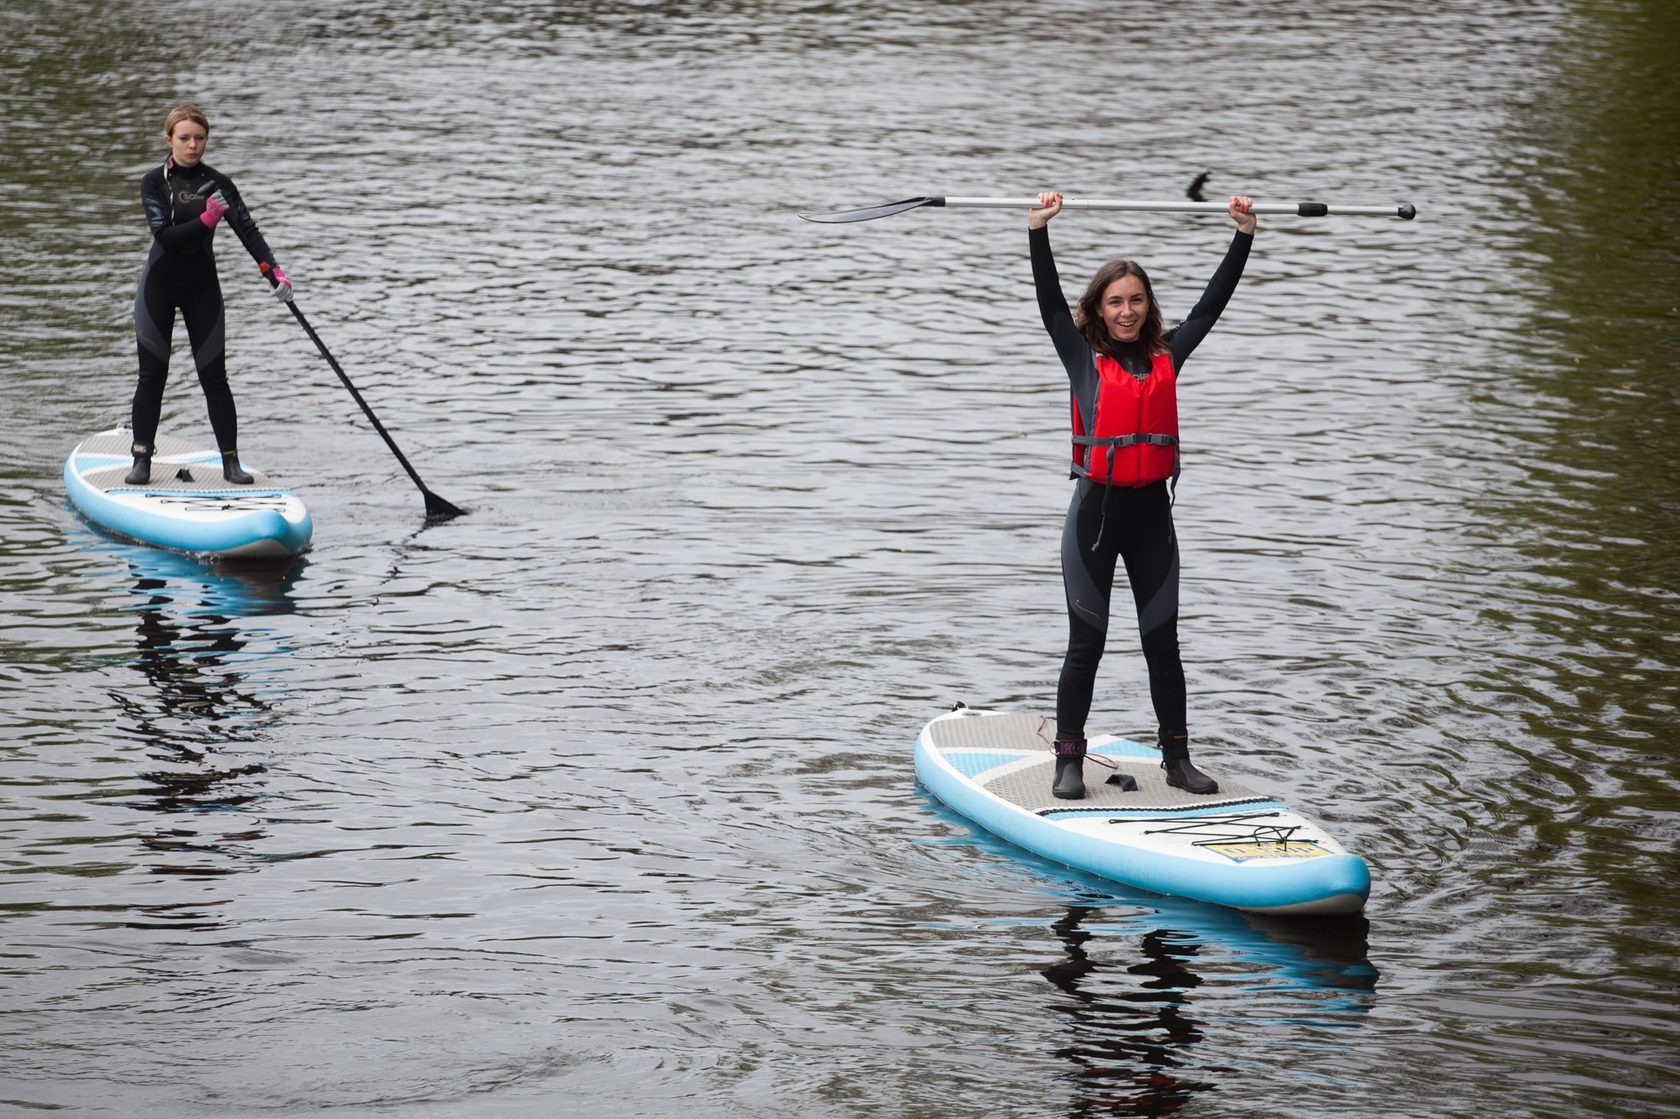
(191, 286)
(1135, 528)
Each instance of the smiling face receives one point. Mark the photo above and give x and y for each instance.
(1119, 309)
(186, 143)
(1123, 308)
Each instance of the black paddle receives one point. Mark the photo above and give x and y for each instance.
(1295, 209)
(437, 509)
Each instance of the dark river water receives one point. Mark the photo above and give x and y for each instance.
(599, 800)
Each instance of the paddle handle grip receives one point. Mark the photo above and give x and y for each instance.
(1405, 211)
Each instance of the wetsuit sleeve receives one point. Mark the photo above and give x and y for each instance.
(1189, 333)
(244, 225)
(188, 237)
(1071, 346)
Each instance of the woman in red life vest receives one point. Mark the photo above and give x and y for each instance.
(1123, 366)
(185, 199)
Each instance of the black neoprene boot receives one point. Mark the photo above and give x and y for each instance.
(142, 471)
(1175, 759)
(232, 471)
(1070, 769)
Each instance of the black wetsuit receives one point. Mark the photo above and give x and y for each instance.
(180, 274)
(1110, 524)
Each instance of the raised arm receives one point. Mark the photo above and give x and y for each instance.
(1189, 333)
(1052, 304)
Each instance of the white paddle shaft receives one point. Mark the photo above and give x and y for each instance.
(1292, 208)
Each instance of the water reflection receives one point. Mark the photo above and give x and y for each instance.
(1583, 522)
(1145, 979)
(198, 715)
(1132, 1025)
(1128, 1048)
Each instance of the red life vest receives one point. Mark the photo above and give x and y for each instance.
(1135, 436)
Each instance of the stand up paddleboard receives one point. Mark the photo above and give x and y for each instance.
(187, 506)
(1236, 847)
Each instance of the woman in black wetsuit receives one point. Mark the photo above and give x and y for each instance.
(1122, 367)
(184, 199)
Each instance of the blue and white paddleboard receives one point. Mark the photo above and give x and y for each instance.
(187, 506)
(1236, 847)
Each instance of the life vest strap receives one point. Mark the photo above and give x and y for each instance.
(1117, 442)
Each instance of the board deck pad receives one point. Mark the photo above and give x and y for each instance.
(1026, 782)
(167, 476)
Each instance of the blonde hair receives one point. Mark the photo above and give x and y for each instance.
(182, 112)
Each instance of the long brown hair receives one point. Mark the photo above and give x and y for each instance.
(1087, 316)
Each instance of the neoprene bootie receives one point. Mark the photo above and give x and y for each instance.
(1070, 769)
(141, 473)
(1182, 775)
(232, 471)
(1175, 759)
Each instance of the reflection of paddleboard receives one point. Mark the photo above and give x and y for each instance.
(1236, 847)
(187, 506)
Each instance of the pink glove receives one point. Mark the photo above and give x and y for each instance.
(214, 207)
(282, 286)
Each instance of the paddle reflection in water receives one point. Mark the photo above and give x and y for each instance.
(198, 718)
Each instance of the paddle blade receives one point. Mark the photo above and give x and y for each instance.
(437, 509)
(886, 210)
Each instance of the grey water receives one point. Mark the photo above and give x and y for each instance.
(599, 800)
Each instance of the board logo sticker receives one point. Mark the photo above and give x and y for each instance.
(1241, 850)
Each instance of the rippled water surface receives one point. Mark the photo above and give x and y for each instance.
(599, 800)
